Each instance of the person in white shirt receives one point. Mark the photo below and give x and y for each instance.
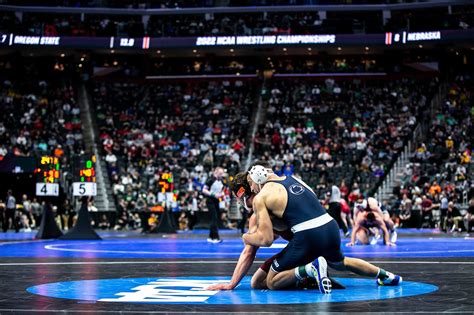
(335, 207)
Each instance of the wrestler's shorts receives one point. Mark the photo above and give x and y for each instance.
(267, 264)
(308, 245)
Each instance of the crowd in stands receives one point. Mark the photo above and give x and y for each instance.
(346, 132)
(439, 177)
(271, 23)
(41, 117)
(26, 213)
(184, 129)
(349, 131)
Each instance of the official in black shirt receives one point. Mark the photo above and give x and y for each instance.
(213, 190)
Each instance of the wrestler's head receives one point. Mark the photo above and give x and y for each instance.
(241, 189)
(258, 175)
(371, 217)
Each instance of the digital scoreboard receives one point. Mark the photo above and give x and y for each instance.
(48, 173)
(166, 191)
(84, 178)
(166, 182)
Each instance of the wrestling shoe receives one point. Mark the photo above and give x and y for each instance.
(394, 236)
(214, 240)
(310, 283)
(390, 280)
(320, 272)
(374, 239)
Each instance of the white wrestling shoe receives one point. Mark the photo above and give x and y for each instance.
(320, 272)
(394, 236)
(374, 239)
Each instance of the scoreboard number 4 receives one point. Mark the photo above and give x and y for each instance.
(47, 189)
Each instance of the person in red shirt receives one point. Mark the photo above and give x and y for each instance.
(346, 213)
(238, 145)
(426, 211)
(344, 189)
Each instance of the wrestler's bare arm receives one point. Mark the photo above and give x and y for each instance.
(263, 236)
(357, 223)
(381, 223)
(246, 260)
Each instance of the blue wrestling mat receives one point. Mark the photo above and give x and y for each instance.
(174, 247)
(192, 290)
(23, 236)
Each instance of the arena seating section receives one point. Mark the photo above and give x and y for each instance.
(349, 131)
(40, 115)
(183, 127)
(442, 166)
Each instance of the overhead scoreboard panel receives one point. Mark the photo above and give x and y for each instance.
(48, 174)
(84, 178)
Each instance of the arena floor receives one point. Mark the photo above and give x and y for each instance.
(128, 272)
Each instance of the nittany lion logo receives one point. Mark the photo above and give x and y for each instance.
(296, 189)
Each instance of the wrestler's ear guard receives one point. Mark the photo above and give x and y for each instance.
(241, 188)
(259, 174)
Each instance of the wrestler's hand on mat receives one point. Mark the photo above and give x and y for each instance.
(220, 286)
(350, 244)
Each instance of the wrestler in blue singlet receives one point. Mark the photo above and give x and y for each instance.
(315, 232)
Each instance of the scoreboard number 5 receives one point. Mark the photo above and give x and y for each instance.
(84, 189)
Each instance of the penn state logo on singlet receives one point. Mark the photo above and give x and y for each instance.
(296, 189)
